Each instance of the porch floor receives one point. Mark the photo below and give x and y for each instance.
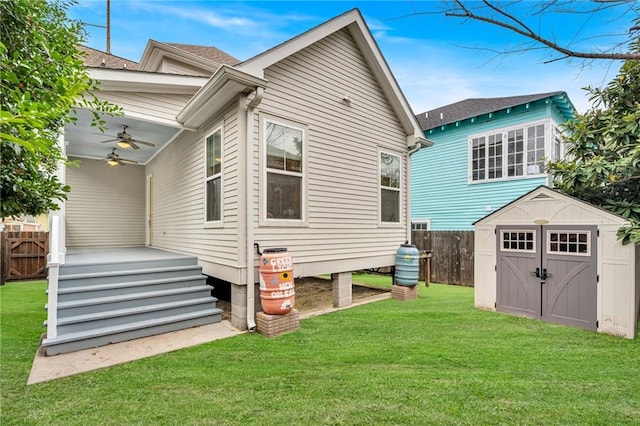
(95, 255)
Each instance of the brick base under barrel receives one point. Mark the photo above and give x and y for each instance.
(402, 292)
(275, 325)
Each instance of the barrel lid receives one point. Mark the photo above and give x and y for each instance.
(407, 245)
(274, 250)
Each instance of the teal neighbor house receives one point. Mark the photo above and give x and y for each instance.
(487, 152)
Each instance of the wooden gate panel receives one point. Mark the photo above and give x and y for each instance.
(24, 256)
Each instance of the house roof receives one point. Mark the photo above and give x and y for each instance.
(207, 52)
(354, 22)
(98, 59)
(475, 107)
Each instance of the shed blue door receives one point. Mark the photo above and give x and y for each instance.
(548, 272)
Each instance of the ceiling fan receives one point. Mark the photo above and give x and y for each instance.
(114, 159)
(125, 140)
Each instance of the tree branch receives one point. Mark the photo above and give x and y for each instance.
(518, 26)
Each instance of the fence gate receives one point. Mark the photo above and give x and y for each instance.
(548, 272)
(24, 256)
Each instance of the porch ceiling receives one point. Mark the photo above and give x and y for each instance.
(85, 141)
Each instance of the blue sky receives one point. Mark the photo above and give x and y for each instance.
(437, 60)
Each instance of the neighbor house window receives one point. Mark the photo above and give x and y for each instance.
(421, 225)
(285, 171)
(213, 178)
(389, 188)
(509, 153)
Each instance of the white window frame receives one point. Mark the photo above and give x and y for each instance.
(263, 219)
(214, 223)
(518, 231)
(401, 219)
(568, 253)
(549, 141)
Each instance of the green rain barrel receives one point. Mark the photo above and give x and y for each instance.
(407, 265)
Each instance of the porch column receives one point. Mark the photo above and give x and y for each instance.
(341, 289)
(61, 247)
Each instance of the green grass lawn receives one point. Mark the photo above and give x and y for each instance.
(432, 360)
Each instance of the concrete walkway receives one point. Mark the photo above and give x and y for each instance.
(47, 368)
(54, 367)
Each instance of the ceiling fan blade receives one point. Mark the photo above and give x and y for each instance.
(132, 144)
(109, 140)
(124, 160)
(144, 143)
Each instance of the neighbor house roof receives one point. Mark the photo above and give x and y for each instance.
(98, 59)
(208, 52)
(475, 107)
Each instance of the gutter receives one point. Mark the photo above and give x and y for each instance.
(250, 249)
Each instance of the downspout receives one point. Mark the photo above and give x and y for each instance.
(250, 249)
(415, 148)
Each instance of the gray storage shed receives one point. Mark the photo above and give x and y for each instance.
(550, 256)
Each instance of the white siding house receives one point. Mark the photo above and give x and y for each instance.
(304, 146)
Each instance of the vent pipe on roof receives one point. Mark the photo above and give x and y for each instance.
(442, 116)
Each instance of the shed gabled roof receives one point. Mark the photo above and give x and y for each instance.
(475, 107)
(543, 191)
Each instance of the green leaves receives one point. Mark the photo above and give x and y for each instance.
(42, 78)
(603, 147)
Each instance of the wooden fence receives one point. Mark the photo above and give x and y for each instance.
(23, 256)
(452, 255)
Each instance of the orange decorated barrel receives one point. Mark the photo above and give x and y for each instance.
(277, 292)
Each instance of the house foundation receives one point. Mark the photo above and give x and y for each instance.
(239, 305)
(275, 325)
(341, 289)
(401, 292)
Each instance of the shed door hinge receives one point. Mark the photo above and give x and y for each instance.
(598, 278)
(597, 232)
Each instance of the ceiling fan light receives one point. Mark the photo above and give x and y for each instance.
(112, 162)
(123, 144)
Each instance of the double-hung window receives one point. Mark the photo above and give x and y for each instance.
(510, 153)
(389, 188)
(285, 172)
(213, 178)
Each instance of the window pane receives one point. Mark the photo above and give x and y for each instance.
(284, 195)
(390, 206)
(535, 149)
(284, 148)
(214, 153)
(213, 199)
(478, 156)
(515, 156)
(389, 170)
(495, 156)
